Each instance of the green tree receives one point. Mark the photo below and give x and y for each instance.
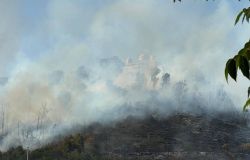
(241, 60)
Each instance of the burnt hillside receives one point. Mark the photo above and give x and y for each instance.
(180, 136)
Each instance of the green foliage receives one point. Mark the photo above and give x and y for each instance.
(238, 17)
(246, 105)
(231, 69)
(242, 62)
(242, 59)
(239, 61)
(246, 15)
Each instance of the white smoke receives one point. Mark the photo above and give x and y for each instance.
(36, 110)
(79, 62)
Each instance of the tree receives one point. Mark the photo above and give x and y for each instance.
(242, 58)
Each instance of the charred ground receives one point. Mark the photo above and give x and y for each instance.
(179, 136)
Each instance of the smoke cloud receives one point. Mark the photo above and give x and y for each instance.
(72, 63)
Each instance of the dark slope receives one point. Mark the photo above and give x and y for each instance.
(180, 136)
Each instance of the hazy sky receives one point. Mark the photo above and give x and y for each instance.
(61, 34)
(61, 53)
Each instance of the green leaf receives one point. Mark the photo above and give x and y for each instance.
(246, 105)
(244, 66)
(236, 58)
(245, 51)
(231, 69)
(242, 52)
(247, 14)
(244, 16)
(247, 45)
(247, 54)
(238, 17)
(226, 72)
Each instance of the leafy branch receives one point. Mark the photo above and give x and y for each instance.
(242, 58)
(246, 15)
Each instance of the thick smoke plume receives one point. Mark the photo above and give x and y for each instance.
(71, 63)
(48, 105)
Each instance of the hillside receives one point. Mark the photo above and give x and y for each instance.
(180, 136)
